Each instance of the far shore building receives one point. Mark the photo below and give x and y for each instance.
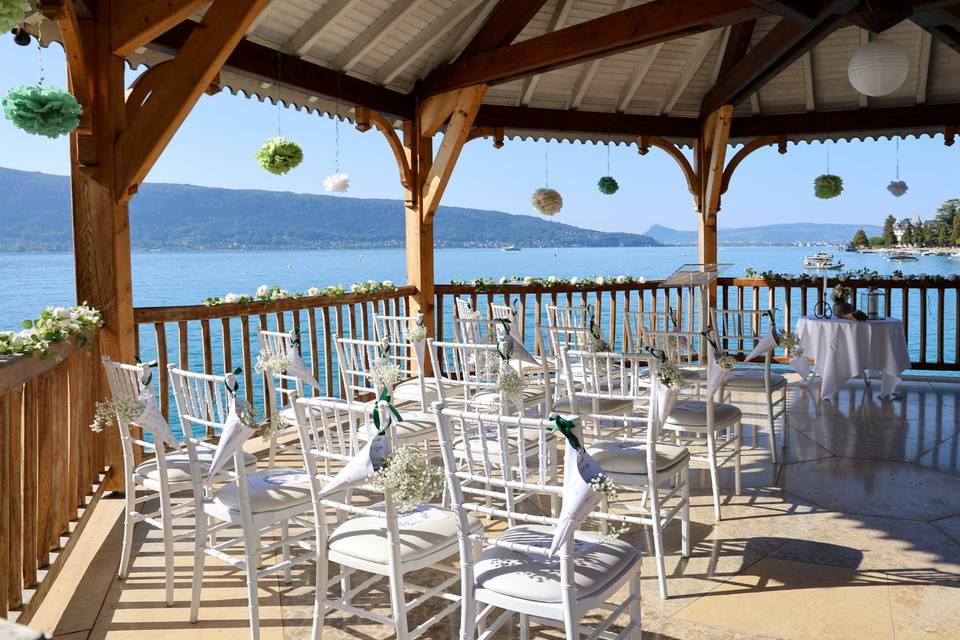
(901, 225)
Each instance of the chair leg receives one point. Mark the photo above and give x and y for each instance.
(250, 543)
(320, 593)
(128, 525)
(285, 548)
(657, 530)
(786, 420)
(169, 560)
(199, 555)
(524, 627)
(685, 513)
(272, 456)
(714, 481)
(771, 429)
(398, 602)
(736, 460)
(636, 614)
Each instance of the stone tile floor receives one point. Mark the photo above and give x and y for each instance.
(857, 535)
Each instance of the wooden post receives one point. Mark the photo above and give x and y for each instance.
(419, 152)
(710, 155)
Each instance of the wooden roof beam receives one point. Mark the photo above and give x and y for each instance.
(134, 23)
(799, 11)
(853, 120)
(640, 71)
(260, 61)
(503, 25)
(536, 119)
(588, 72)
(633, 28)
(780, 48)
(693, 64)
(943, 24)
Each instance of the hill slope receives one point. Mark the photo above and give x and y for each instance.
(789, 233)
(175, 216)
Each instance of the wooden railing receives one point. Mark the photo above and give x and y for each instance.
(220, 338)
(50, 464)
(929, 308)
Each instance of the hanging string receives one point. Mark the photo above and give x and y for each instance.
(608, 156)
(40, 47)
(546, 165)
(336, 126)
(898, 158)
(277, 85)
(828, 159)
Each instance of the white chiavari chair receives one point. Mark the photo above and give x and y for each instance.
(605, 385)
(512, 315)
(639, 322)
(567, 317)
(738, 331)
(513, 572)
(279, 384)
(366, 533)
(258, 502)
(685, 348)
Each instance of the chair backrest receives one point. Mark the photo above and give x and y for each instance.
(476, 330)
(281, 383)
(393, 330)
(501, 311)
(686, 348)
(355, 360)
(559, 339)
(739, 331)
(125, 382)
(468, 367)
(639, 322)
(608, 375)
(567, 317)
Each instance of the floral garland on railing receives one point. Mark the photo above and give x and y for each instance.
(585, 282)
(266, 293)
(55, 325)
(774, 277)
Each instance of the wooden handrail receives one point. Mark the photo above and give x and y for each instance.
(15, 371)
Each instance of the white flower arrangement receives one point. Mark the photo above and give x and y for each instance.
(840, 294)
(790, 341)
(592, 341)
(724, 359)
(386, 374)
(510, 382)
(552, 279)
(231, 298)
(601, 483)
(336, 183)
(262, 291)
(55, 325)
(124, 408)
(416, 332)
(670, 375)
(547, 201)
(574, 281)
(313, 292)
(409, 477)
(273, 364)
(266, 293)
(274, 427)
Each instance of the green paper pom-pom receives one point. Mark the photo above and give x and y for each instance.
(608, 185)
(279, 155)
(45, 111)
(827, 186)
(12, 13)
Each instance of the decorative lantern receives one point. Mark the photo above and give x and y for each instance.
(871, 301)
(878, 68)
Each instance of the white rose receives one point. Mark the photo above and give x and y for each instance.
(61, 312)
(574, 280)
(621, 279)
(263, 290)
(552, 279)
(356, 288)
(372, 283)
(281, 294)
(313, 291)
(231, 298)
(388, 284)
(641, 279)
(600, 280)
(528, 280)
(503, 280)
(473, 282)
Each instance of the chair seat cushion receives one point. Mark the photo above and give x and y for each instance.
(693, 413)
(531, 393)
(597, 565)
(631, 457)
(424, 531)
(178, 465)
(690, 372)
(752, 380)
(585, 404)
(269, 490)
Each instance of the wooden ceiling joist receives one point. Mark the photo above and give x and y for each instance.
(943, 24)
(640, 71)
(854, 120)
(633, 28)
(261, 62)
(134, 23)
(314, 28)
(503, 25)
(781, 47)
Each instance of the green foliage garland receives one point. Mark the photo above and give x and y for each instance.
(279, 155)
(12, 13)
(608, 185)
(45, 111)
(827, 186)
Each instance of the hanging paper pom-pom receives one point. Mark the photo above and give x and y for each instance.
(897, 187)
(45, 111)
(279, 155)
(608, 185)
(336, 183)
(547, 201)
(827, 186)
(12, 13)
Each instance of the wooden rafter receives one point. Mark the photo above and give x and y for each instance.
(261, 62)
(503, 25)
(809, 92)
(738, 43)
(799, 11)
(633, 28)
(640, 70)
(461, 121)
(690, 68)
(863, 36)
(780, 48)
(557, 19)
(465, 32)
(196, 66)
(373, 34)
(943, 24)
(314, 28)
(134, 23)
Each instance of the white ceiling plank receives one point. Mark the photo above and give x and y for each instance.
(589, 70)
(923, 66)
(694, 62)
(724, 39)
(464, 33)
(263, 15)
(639, 73)
(557, 21)
(367, 40)
(865, 37)
(755, 103)
(423, 41)
(806, 65)
(313, 29)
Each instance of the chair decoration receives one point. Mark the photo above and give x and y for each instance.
(385, 373)
(584, 483)
(417, 336)
(593, 339)
(409, 478)
(666, 386)
(720, 366)
(511, 343)
(141, 411)
(787, 339)
(241, 423)
(509, 381)
(372, 457)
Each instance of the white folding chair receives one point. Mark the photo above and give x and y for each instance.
(279, 384)
(567, 317)
(258, 503)
(738, 331)
(638, 322)
(513, 571)
(410, 357)
(371, 539)
(685, 348)
(606, 384)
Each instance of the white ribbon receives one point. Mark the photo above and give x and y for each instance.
(766, 343)
(579, 498)
(153, 421)
(232, 437)
(299, 369)
(367, 461)
(716, 376)
(666, 398)
(801, 364)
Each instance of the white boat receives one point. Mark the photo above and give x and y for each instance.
(822, 262)
(902, 257)
(511, 247)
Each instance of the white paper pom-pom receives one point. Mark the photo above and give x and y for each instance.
(897, 187)
(336, 183)
(547, 201)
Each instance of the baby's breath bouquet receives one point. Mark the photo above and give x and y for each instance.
(124, 408)
(790, 342)
(670, 375)
(416, 332)
(273, 364)
(409, 477)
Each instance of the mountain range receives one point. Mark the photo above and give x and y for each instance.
(770, 234)
(185, 217)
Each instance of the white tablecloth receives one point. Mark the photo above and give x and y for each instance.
(843, 349)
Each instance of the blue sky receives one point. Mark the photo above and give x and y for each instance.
(216, 147)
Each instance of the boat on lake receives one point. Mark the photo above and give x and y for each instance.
(902, 257)
(511, 247)
(822, 261)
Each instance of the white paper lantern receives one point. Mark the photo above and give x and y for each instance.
(878, 68)
(547, 201)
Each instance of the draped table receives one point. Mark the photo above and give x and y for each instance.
(844, 349)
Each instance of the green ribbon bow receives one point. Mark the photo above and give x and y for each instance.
(385, 397)
(565, 427)
(151, 364)
(659, 354)
(236, 386)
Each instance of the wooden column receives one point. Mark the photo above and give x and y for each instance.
(419, 151)
(709, 156)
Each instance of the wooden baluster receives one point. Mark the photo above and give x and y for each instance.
(538, 319)
(522, 309)
(160, 331)
(940, 314)
(136, 339)
(365, 320)
(438, 317)
(887, 302)
(74, 391)
(14, 540)
(340, 331)
(31, 466)
(803, 301)
(226, 343)
(295, 314)
(246, 358)
(7, 526)
(312, 338)
(264, 326)
(956, 325)
(613, 318)
(627, 341)
(184, 349)
(206, 346)
(787, 306)
(353, 333)
(61, 449)
(327, 350)
(905, 312)
(923, 323)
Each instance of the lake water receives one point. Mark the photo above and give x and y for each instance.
(35, 280)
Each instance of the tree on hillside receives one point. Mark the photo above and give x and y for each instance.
(947, 214)
(955, 234)
(889, 238)
(860, 239)
(907, 237)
